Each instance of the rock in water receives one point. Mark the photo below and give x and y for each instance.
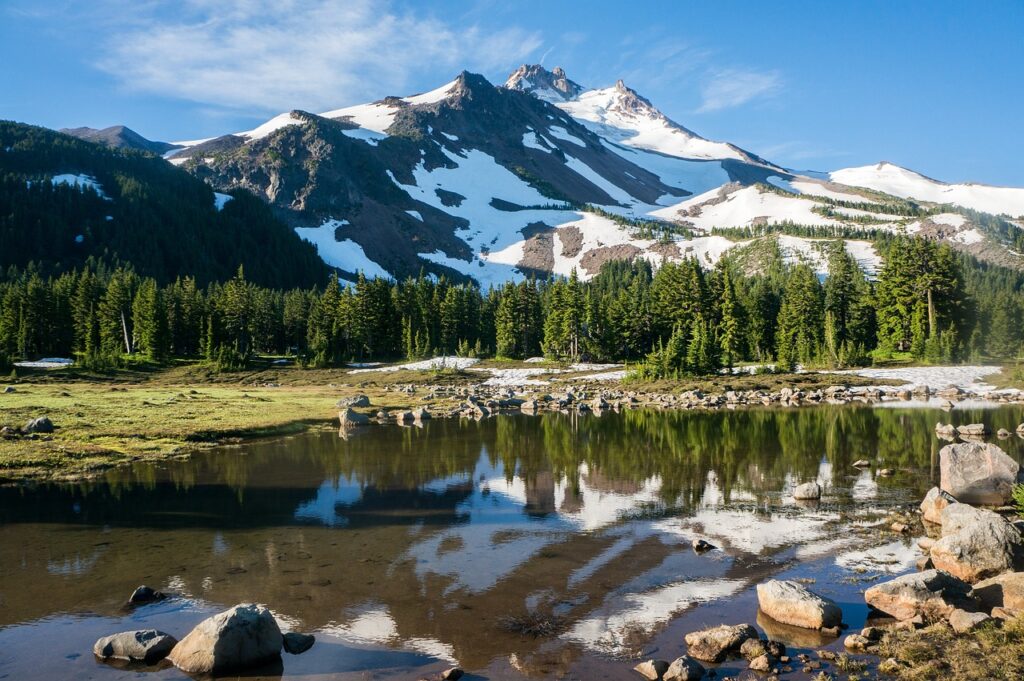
(791, 603)
(296, 643)
(652, 670)
(684, 668)
(934, 502)
(145, 594)
(351, 419)
(977, 473)
(932, 594)
(421, 414)
(975, 544)
(712, 645)
(244, 636)
(1003, 591)
(148, 646)
(809, 491)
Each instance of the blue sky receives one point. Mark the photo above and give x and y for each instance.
(934, 86)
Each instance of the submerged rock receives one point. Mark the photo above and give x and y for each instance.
(145, 594)
(712, 645)
(244, 636)
(931, 594)
(977, 473)
(148, 646)
(296, 643)
(791, 603)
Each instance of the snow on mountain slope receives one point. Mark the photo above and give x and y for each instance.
(892, 179)
(619, 114)
(743, 207)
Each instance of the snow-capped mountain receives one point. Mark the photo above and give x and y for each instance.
(542, 175)
(621, 115)
(897, 181)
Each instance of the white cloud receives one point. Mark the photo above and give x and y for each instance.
(728, 88)
(283, 54)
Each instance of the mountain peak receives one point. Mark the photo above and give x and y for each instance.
(119, 137)
(552, 86)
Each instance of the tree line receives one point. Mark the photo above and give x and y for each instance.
(927, 303)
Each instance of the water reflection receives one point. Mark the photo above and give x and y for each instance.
(427, 540)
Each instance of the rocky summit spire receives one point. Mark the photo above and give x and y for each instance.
(551, 85)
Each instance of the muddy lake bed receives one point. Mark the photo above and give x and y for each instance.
(554, 546)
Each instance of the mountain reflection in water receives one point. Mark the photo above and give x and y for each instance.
(429, 541)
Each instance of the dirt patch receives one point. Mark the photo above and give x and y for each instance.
(539, 248)
(593, 260)
(572, 241)
(668, 250)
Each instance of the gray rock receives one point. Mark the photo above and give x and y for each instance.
(976, 429)
(934, 502)
(684, 668)
(712, 645)
(296, 643)
(244, 636)
(351, 419)
(809, 491)
(856, 642)
(977, 473)
(701, 546)
(861, 463)
(148, 646)
(39, 425)
(792, 603)
(652, 670)
(762, 663)
(358, 402)
(932, 594)
(975, 544)
(963, 621)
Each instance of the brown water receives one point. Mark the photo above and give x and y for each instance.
(408, 550)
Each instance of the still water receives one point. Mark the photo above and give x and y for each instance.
(555, 546)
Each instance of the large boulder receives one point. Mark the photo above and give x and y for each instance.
(933, 594)
(712, 645)
(791, 603)
(977, 473)
(975, 544)
(148, 646)
(1003, 591)
(934, 502)
(244, 636)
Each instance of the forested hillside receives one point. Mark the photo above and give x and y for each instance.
(928, 303)
(66, 203)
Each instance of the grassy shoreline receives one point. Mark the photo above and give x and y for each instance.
(152, 414)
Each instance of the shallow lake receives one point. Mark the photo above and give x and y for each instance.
(555, 546)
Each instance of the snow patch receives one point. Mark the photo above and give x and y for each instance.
(345, 254)
(443, 362)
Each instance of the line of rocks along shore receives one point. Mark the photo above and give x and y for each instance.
(481, 401)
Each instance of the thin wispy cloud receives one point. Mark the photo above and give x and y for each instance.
(283, 54)
(728, 88)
